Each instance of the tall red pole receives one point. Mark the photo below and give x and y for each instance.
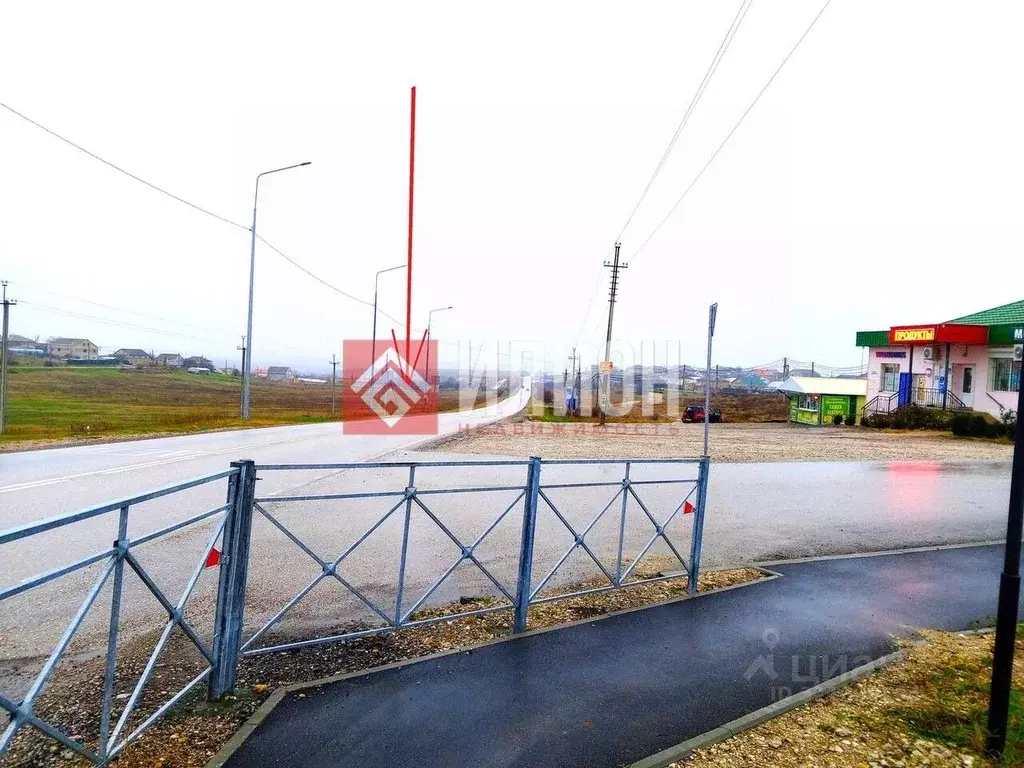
(408, 269)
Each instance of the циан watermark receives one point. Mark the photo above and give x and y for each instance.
(802, 671)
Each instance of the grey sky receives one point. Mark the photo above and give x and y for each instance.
(876, 183)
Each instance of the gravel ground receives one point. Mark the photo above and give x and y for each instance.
(729, 442)
(926, 710)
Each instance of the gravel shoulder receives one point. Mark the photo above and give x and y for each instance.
(927, 710)
(729, 442)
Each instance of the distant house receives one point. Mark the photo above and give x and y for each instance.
(198, 361)
(280, 373)
(133, 356)
(14, 341)
(80, 348)
(749, 381)
(170, 360)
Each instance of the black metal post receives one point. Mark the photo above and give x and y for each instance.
(1009, 595)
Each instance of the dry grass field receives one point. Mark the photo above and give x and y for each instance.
(61, 402)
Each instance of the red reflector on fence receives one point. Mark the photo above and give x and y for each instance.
(213, 559)
(687, 508)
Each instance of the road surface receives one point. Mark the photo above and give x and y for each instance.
(755, 512)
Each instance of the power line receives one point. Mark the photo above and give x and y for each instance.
(192, 205)
(719, 55)
(121, 309)
(734, 128)
(119, 169)
(133, 326)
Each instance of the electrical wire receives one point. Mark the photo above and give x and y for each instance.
(731, 132)
(108, 321)
(723, 46)
(119, 169)
(712, 67)
(121, 309)
(192, 205)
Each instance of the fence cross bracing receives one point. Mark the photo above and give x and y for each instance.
(112, 738)
(541, 501)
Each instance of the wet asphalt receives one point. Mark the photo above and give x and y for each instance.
(613, 691)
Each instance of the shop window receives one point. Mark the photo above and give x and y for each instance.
(807, 402)
(890, 377)
(1003, 374)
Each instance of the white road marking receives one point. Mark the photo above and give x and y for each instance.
(168, 459)
(183, 455)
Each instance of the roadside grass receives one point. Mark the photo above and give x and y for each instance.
(953, 708)
(53, 403)
(930, 708)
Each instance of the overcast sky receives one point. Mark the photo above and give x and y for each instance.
(876, 183)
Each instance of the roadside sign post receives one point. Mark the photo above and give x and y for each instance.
(712, 315)
(1009, 594)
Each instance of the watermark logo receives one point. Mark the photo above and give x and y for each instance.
(388, 394)
(803, 670)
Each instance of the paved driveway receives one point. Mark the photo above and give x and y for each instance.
(613, 691)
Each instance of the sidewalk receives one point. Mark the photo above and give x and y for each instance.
(616, 690)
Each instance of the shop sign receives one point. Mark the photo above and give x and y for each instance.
(913, 334)
(834, 405)
(891, 354)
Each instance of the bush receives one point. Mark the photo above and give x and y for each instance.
(966, 424)
(1010, 424)
(877, 420)
(838, 419)
(850, 420)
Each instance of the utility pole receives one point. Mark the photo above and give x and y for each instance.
(812, 369)
(612, 293)
(3, 360)
(243, 399)
(334, 371)
(785, 368)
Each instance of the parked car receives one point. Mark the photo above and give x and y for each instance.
(695, 413)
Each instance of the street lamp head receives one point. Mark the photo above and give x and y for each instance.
(308, 162)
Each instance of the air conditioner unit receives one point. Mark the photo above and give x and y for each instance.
(1018, 352)
(932, 353)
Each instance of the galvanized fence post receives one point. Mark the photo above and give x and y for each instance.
(234, 568)
(698, 525)
(526, 544)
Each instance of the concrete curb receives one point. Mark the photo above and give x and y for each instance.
(263, 711)
(879, 553)
(673, 754)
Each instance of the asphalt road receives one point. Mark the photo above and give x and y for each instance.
(756, 512)
(40, 484)
(617, 690)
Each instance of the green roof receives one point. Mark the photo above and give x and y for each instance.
(872, 338)
(1007, 313)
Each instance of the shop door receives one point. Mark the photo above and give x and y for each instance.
(967, 385)
(904, 390)
(920, 389)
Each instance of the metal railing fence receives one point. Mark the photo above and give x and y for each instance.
(233, 529)
(111, 739)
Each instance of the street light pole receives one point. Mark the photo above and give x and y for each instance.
(1009, 595)
(430, 317)
(247, 372)
(373, 342)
